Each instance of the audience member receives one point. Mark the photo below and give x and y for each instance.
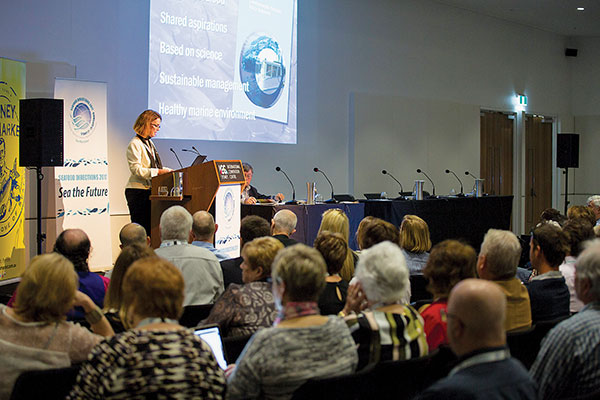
(552, 215)
(376, 230)
(548, 292)
(476, 332)
(568, 365)
(336, 220)
(577, 231)
(200, 268)
(497, 262)
(34, 334)
(333, 248)
(250, 194)
(75, 245)
(582, 212)
(415, 242)
(593, 202)
(114, 308)
(388, 329)
(450, 262)
(203, 231)
(251, 227)
(302, 344)
(133, 233)
(158, 358)
(243, 309)
(283, 225)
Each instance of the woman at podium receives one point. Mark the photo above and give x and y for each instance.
(144, 164)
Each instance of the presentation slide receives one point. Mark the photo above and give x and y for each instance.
(224, 69)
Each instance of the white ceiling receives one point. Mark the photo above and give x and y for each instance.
(558, 16)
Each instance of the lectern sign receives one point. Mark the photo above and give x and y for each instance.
(230, 171)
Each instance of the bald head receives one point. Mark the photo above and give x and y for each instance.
(476, 310)
(133, 233)
(75, 245)
(284, 222)
(203, 226)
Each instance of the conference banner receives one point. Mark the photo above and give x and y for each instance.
(82, 183)
(227, 216)
(12, 177)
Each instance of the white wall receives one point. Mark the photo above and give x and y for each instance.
(406, 48)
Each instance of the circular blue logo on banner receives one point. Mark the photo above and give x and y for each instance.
(261, 67)
(228, 205)
(82, 118)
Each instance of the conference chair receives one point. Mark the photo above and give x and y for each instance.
(347, 387)
(234, 346)
(48, 384)
(192, 315)
(525, 344)
(418, 291)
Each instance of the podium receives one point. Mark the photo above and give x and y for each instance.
(213, 184)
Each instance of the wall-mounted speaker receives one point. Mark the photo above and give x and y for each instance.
(567, 150)
(570, 52)
(41, 132)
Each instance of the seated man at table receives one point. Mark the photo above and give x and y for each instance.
(283, 225)
(250, 194)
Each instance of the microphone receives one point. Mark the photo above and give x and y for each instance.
(173, 151)
(196, 150)
(293, 201)
(332, 200)
(189, 151)
(470, 174)
(419, 171)
(459, 181)
(401, 188)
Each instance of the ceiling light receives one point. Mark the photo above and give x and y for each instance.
(580, 8)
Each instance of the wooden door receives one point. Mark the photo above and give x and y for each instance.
(538, 168)
(496, 152)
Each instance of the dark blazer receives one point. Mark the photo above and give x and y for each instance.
(506, 379)
(232, 273)
(287, 241)
(253, 192)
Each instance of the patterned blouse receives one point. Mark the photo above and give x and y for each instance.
(382, 336)
(139, 364)
(243, 309)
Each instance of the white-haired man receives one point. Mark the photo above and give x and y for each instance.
(497, 262)
(283, 225)
(593, 202)
(200, 268)
(568, 364)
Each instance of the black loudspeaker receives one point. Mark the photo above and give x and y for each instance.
(570, 52)
(567, 150)
(41, 133)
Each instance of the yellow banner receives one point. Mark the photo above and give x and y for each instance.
(12, 177)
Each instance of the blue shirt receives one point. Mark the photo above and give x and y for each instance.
(205, 245)
(568, 364)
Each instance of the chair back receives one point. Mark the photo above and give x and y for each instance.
(347, 387)
(418, 288)
(525, 344)
(49, 384)
(234, 346)
(192, 315)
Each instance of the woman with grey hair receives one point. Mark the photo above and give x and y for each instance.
(386, 329)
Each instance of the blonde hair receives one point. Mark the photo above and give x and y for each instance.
(47, 289)
(414, 234)
(153, 287)
(144, 119)
(261, 252)
(302, 270)
(336, 220)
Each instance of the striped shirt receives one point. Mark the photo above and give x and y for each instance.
(382, 336)
(568, 364)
